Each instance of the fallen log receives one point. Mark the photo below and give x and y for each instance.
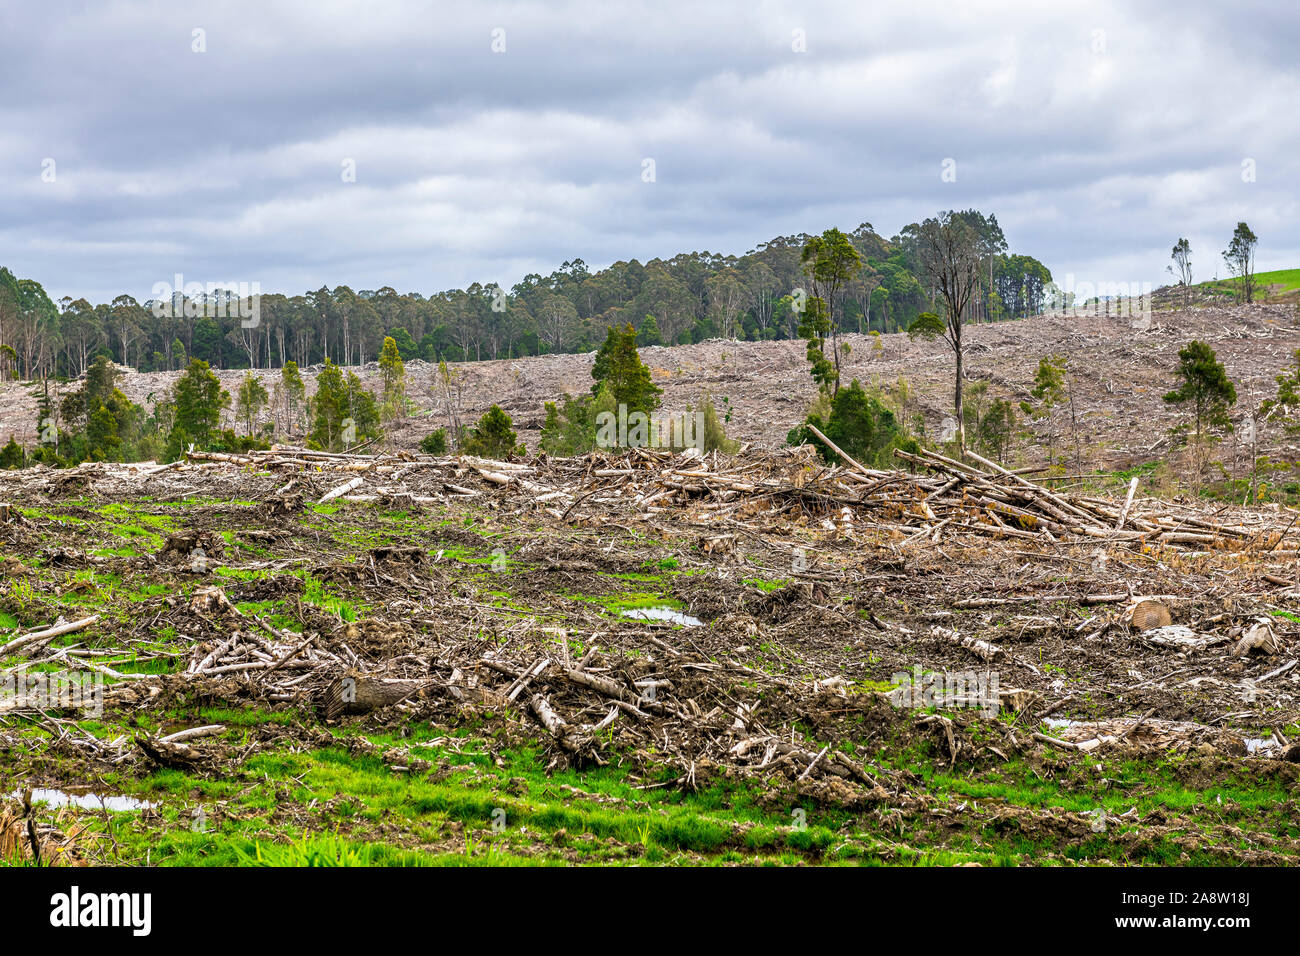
(36, 637)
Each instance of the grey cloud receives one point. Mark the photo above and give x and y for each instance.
(480, 166)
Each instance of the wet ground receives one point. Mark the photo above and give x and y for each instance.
(483, 680)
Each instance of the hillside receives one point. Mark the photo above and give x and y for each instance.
(1280, 286)
(1121, 374)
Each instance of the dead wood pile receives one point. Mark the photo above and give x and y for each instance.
(645, 689)
(941, 496)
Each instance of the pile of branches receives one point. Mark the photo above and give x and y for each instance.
(940, 494)
(1007, 504)
(633, 695)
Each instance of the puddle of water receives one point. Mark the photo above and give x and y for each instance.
(1058, 722)
(87, 801)
(662, 613)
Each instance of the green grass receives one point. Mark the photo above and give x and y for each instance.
(765, 585)
(1279, 281)
(1286, 279)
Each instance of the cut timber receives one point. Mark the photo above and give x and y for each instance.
(192, 733)
(839, 451)
(356, 694)
(1258, 637)
(1038, 489)
(168, 754)
(1128, 503)
(342, 489)
(555, 724)
(1149, 615)
(49, 632)
(209, 600)
(981, 649)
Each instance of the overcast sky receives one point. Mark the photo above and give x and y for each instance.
(133, 147)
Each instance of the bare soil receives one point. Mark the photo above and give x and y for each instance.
(1120, 373)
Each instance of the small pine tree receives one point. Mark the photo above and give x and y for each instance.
(393, 372)
(198, 400)
(619, 368)
(434, 443)
(1048, 391)
(102, 439)
(344, 414)
(493, 436)
(997, 428)
(362, 409)
(1205, 384)
(328, 408)
(294, 392)
(251, 399)
(13, 455)
(105, 424)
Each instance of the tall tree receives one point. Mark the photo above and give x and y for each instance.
(948, 248)
(726, 292)
(556, 319)
(1240, 257)
(832, 262)
(1182, 267)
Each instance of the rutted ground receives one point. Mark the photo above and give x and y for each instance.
(765, 735)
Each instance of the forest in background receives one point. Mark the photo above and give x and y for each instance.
(688, 298)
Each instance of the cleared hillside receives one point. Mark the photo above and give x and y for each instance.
(1122, 373)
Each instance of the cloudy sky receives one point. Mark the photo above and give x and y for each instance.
(426, 145)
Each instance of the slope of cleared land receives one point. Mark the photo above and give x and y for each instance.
(1121, 374)
(452, 661)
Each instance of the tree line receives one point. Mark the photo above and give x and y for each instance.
(687, 298)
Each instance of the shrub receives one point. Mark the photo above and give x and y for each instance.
(570, 429)
(493, 436)
(12, 455)
(434, 443)
(858, 424)
(715, 433)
